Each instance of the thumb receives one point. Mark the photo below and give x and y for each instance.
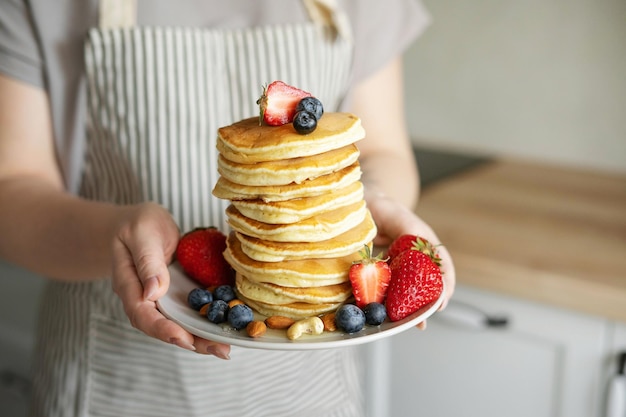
(151, 266)
(150, 240)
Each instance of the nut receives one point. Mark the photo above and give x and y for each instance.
(256, 328)
(312, 325)
(234, 302)
(329, 322)
(204, 309)
(279, 322)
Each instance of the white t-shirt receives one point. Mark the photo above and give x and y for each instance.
(41, 43)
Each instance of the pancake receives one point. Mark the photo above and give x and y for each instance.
(296, 311)
(249, 142)
(321, 227)
(342, 245)
(229, 190)
(276, 294)
(286, 171)
(300, 273)
(298, 209)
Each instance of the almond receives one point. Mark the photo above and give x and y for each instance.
(279, 322)
(329, 322)
(234, 302)
(204, 309)
(256, 328)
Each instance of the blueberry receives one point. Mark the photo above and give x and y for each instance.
(199, 297)
(217, 312)
(350, 318)
(304, 122)
(239, 316)
(225, 293)
(312, 105)
(375, 313)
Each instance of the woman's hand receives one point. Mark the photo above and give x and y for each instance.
(394, 219)
(143, 247)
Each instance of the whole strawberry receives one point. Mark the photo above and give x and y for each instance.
(369, 278)
(199, 253)
(278, 103)
(415, 282)
(408, 241)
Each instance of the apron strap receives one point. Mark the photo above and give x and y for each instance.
(327, 13)
(117, 13)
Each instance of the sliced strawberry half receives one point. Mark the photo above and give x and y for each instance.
(278, 103)
(369, 278)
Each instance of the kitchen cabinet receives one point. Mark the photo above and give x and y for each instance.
(615, 372)
(543, 362)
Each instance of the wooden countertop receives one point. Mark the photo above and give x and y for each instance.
(549, 234)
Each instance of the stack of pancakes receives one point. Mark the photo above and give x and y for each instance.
(297, 212)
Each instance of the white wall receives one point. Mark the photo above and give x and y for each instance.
(534, 78)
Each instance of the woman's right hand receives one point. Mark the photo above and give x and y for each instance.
(143, 247)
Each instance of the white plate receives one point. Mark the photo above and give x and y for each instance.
(174, 306)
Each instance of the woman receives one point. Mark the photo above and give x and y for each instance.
(92, 187)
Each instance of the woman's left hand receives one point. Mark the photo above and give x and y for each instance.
(393, 220)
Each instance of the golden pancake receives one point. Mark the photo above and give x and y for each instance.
(301, 273)
(296, 311)
(229, 190)
(344, 244)
(321, 227)
(248, 142)
(299, 209)
(286, 171)
(276, 294)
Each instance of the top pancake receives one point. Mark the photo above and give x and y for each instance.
(248, 142)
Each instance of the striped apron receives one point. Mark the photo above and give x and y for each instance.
(156, 97)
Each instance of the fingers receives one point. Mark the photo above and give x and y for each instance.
(151, 267)
(149, 237)
(448, 275)
(144, 315)
(209, 347)
(394, 220)
(141, 251)
(141, 312)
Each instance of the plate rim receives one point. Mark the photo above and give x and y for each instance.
(168, 306)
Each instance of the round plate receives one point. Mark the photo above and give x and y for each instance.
(174, 306)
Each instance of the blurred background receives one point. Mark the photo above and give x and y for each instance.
(518, 114)
(536, 79)
(517, 110)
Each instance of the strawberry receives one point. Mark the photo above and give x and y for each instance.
(407, 241)
(199, 253)
(415, 282)
(278, 103)
(369, 278)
